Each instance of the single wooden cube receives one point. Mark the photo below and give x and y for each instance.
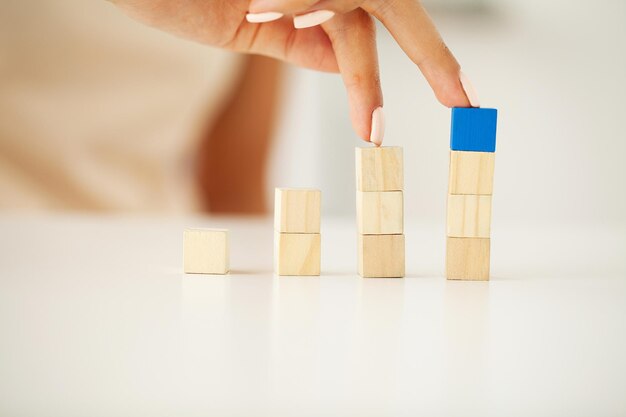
(380, 212)
(206, 251)
(297, 210)
(467, 258)
(473, 129)
(381, 256)
(471, 173)
(379, 169)
(469, 215)
(297, 253)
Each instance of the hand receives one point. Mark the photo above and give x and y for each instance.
(345, 43)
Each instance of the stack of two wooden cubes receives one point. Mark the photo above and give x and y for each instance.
(297, 238)
(472, 158)
(380, 212)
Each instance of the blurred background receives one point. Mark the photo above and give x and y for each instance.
(100, 113)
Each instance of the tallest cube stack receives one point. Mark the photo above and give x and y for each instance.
(472, 158)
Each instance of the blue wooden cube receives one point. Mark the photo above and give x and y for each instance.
(473, 129)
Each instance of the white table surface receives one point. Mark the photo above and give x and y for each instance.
(97, 319)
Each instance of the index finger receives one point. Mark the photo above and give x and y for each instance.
(353, 36)
(417, 35)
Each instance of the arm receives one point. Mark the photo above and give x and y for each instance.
(233, 155)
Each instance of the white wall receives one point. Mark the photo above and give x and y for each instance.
(555, 70)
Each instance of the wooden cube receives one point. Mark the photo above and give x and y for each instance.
(471, 173)
(297, 210)
(297, 253)
(379, 169)
(467, 258)
(473, 129)
(380, 212)
(206, 251)
(469, 215)
(381, 256)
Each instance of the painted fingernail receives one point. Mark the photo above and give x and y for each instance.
(263, 17)
(312, 19)
(378, 126)
(470, 91)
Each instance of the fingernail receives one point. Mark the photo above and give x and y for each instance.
(263, 17)
(312, 19)
(377, 131)
(470, 91)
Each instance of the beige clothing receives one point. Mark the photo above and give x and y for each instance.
(99, 112)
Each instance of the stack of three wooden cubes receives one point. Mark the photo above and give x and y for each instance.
(380, 212)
